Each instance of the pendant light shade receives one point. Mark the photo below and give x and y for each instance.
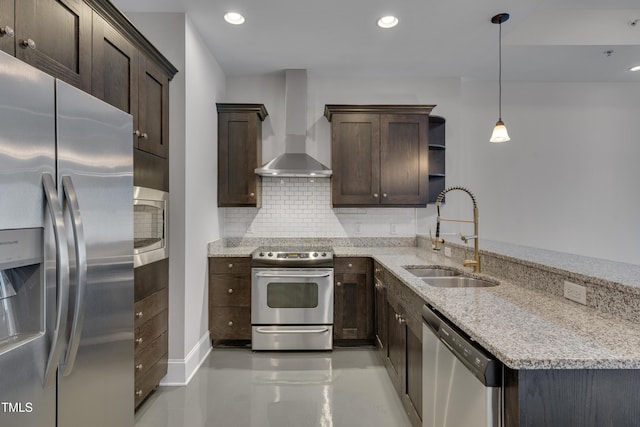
(500, 133)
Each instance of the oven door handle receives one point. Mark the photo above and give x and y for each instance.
(292, 331)
(293, 275)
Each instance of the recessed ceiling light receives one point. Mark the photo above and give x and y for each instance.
(387, 21)
(635, 68)
(234, 18)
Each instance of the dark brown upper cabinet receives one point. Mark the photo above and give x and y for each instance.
(380, 154)
(239, 153)
(437, 147)
(125, 78)
(54, 36)
(153, 112)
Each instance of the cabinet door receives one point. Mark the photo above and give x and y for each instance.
(238, 141)
(355, 159)
(404, 159)
(153, 99)
(412, 395)
(55, 36)
(115, 69)
(7, 25)
(352, 314)
(380, 311)
(396, 345)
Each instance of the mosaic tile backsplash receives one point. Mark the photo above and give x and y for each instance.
(301, 207)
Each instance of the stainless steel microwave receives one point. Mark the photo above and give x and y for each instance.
(151, 225)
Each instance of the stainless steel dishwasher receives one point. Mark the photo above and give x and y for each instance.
(461, 381)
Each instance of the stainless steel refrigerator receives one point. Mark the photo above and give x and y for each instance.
(66, 255)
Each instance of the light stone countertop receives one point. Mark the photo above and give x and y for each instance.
(525, 329)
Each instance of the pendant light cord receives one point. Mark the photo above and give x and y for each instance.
(500, 72)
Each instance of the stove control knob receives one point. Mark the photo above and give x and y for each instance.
(315, 254)
(324, 254)
(261, 253)
(270, 254)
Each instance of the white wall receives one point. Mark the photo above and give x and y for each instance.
(193, 200)
(269, 89)
(568, 179)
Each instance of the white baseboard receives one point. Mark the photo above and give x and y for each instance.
(180, 371)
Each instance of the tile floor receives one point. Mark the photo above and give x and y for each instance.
(241, 388)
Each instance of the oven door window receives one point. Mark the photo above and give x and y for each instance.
(292, 295)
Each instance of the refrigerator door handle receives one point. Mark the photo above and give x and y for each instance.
(62, 277)
(80, 245)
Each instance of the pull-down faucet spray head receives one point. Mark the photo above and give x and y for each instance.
(475, 262)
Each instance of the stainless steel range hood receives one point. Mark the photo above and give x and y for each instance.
(295, 162)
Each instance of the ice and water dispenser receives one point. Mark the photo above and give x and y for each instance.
(21, 286)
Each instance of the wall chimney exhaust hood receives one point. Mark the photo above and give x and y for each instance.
(295, 162)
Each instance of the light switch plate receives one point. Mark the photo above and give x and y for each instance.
(447, 251)
(575, 292)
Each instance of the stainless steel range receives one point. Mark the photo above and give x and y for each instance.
(292, 299)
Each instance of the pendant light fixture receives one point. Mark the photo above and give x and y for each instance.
(500, 131)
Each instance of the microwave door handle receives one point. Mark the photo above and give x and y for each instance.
(62, 277)
(292, 275)
(81, 273)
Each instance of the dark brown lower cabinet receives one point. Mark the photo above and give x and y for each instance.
(229, 300)
(151, 316)
(402, 357)
(572, 397)
(353, 301)
(380, 302)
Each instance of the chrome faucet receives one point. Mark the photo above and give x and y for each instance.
(475, 262)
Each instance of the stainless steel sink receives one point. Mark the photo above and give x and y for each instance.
(458, 282)
(432, 272)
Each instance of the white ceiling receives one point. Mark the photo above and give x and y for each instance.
(545, 40)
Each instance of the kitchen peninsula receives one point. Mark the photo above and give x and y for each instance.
(566, 364)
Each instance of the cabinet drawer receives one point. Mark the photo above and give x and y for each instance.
(149, 307)
(230, 291)
(237, 265)
(149, 331)
(150, 278)
(351, 265)
(150, 380)
(230, 323)
(146, 358)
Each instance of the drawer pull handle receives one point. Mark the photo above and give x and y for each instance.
(138, 315)
(144, 136)
(139, 341)
(230, 290)
(139, 393)
(339, 284)
(139, 367)
(375, 195)
(252, 194)
(350, 266)
(230, 323)
(230, 265)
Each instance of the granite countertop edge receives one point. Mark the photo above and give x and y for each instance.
(524, 328)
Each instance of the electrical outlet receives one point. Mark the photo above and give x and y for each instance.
(575, 292)
(394, 229)
(447, 251)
